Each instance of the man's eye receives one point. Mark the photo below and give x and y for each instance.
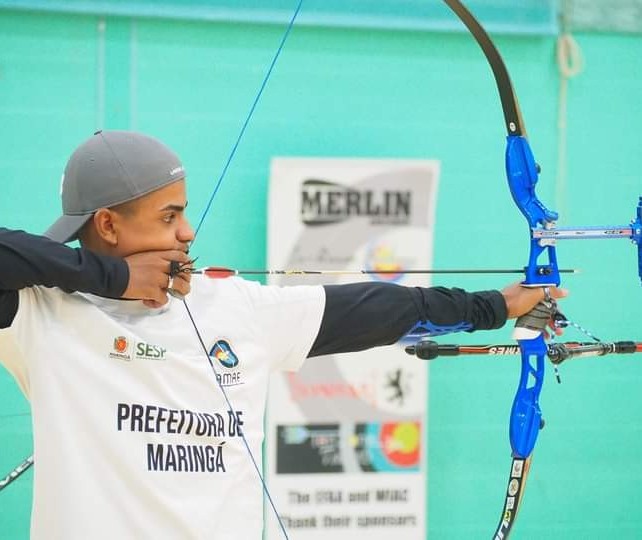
(169, 218)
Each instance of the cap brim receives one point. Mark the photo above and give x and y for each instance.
(66, 228)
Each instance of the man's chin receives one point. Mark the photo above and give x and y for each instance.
(152, 304)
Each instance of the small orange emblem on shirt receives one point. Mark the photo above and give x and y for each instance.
(120, 344)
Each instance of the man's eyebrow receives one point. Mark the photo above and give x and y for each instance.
(174, 207)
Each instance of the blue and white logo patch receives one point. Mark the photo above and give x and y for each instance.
(223, 352)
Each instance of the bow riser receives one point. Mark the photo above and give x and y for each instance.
(526, 415)
(522, 174)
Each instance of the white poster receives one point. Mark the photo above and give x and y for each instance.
(347, 434)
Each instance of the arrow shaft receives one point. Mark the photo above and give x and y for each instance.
(226, 272)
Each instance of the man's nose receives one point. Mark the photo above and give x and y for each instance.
(185, 232)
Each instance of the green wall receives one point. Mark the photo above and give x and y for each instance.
(341, 92)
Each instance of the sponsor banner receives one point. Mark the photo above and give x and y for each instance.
(347, 434)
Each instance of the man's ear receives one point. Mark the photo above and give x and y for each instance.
(104, 224)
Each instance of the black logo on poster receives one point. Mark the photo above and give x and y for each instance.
(397, 385)
(324, 203)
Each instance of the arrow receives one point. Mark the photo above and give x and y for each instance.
(221, 272)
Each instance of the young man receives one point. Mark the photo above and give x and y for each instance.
(133, 437)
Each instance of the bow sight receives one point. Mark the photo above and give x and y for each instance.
(545, 234)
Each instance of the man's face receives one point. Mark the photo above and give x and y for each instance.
(155, 221)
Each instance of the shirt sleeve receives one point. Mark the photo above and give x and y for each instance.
(359, 316)
(288, 319)
(27, 260)
(38, 307)
(13, 359)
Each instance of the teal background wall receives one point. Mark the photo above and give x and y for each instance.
(372, 93)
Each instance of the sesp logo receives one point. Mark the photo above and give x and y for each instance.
(139, 350)
(223, 352)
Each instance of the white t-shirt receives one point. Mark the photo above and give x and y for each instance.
(132, 435)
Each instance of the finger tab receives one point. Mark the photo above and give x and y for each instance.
(174, 268)
(537, 318)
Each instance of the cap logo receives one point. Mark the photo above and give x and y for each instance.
(176, 170)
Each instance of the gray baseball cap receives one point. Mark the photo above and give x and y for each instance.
(110, 168)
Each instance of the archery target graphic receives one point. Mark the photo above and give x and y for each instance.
(390, 446)
(373, 447)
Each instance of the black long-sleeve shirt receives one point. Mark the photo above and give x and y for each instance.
(356, 316)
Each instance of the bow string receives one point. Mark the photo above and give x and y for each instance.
(201, 221)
